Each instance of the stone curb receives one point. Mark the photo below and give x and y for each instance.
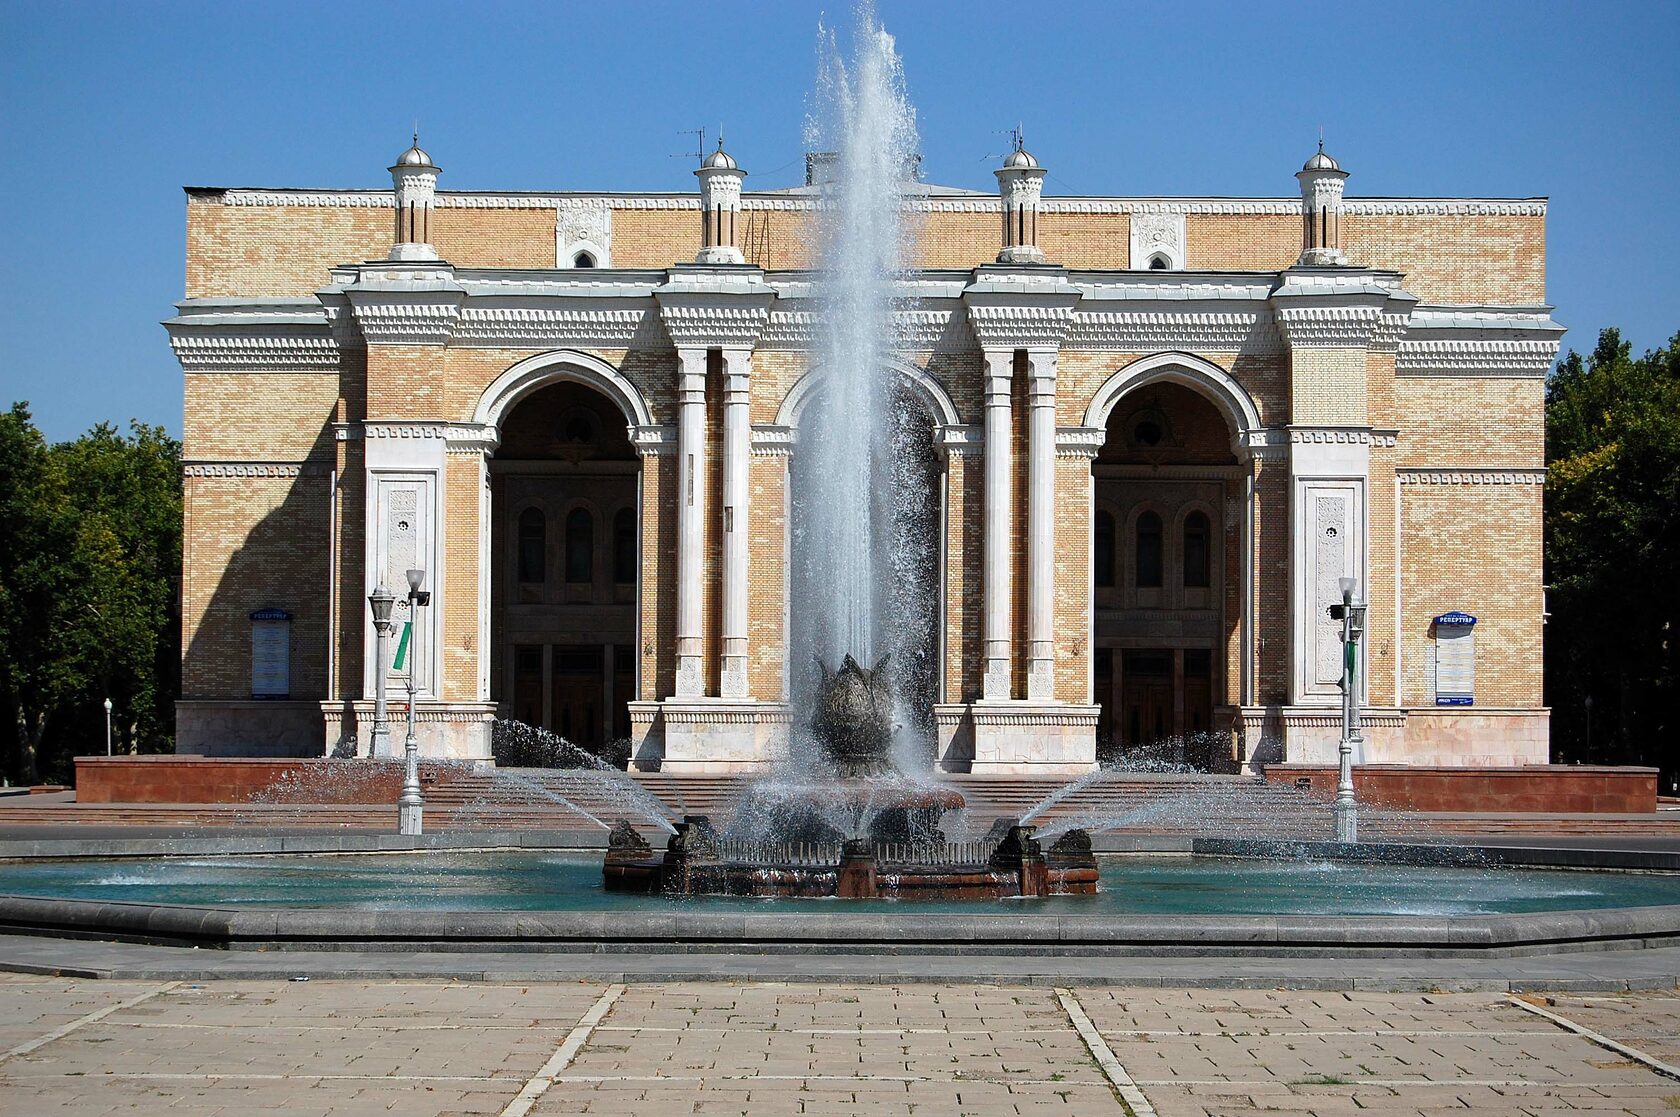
(838, 932)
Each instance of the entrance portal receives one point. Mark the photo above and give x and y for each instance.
(564, 563)
(1161, 619)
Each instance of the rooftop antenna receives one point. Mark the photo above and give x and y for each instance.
(1016, 143)
(699, 135)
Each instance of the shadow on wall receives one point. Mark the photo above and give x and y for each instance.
(262, 541)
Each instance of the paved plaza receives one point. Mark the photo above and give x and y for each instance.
(434, 1048)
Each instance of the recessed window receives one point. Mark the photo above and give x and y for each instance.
(624, 547)
(1196, 550)
(1148, 569)
(533, 546)
(1147, 433)
(583, 260)
(1104, 550)
(1159, 262)
(580, 547)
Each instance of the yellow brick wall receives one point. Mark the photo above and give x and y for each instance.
(657, 594)
(462, 488)
(1079, 240)
(287, 250)
(650, 238)
(1073, 580)
(1241, 241)
(767, 579)
(964, 583)
(1455, 259)
(1471, 422)
(268, 416)
(252, 543)
(1328, 386)
(1475, 548)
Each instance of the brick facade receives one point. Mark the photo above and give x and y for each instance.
(315, 373)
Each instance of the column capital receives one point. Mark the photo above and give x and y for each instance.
(1020, 307)
(714, 307)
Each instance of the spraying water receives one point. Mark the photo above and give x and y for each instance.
(863, 523)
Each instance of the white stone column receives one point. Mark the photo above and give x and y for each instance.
(1041, 525)
(1000, 363)
(691, 517)
(737, 464)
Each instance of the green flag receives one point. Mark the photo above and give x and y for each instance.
(402, 647)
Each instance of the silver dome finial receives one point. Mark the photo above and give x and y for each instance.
(719, 160)
(415, 156)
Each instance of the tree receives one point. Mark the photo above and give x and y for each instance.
(1613, 554)
(89, 557)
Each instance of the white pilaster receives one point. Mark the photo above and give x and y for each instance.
(691, 516)
(999, 366)
(737, 451)
(1041, 524)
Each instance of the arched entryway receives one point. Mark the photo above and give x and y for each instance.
(1167, 524)
(563, 554)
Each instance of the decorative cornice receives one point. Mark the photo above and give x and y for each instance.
(1469, 357)
(1328, 327)
(407, 318)
(222, 351)
(553, 327)
(961, 441)
(1341, 436)
(654, 441)
(1080, 442)
(383, 199)
(703, 308)
(771, 440)
(1245, 331)
(1479, 341)
(1417, 476)
(255, 469)
(1019, 326)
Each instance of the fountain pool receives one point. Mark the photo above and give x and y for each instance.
(533, 881)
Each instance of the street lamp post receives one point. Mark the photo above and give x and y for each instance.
(410, 806)
(1352, 616)
(380, 601)
(107, 727)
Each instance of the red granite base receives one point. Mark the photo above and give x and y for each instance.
(1528, 789)
(209, 780)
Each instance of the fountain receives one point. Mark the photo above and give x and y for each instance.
(855, 812)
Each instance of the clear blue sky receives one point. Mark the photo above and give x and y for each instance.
(106, 111)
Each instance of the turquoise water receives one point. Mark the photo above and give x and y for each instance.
(538, 881)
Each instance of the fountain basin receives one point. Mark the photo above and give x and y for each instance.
(698, 862)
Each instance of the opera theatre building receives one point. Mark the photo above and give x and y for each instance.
(1155, 434)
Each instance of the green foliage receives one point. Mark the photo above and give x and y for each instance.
(1613, 555)
(90, 555)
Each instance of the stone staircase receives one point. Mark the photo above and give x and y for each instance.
(1148, 804)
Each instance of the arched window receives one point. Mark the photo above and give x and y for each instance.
(1148, 569)
(1104, 549)
(580, 546)
(624, 547)
(583, 260)
(1158, 262)
(533, 546)
(1196, 550)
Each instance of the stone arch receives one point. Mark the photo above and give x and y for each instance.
(557, 366)
(1202, 376)
(938, 402)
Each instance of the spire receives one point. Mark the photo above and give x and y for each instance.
(1020, 183)
(720, 207)
(1321, 179)
(414, 180)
